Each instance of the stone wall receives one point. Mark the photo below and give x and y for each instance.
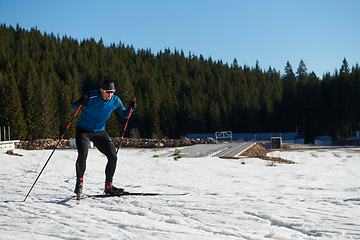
(126, 142)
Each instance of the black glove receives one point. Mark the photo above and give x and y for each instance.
(132, 104)
(83, 100)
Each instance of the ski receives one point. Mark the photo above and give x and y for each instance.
(130, 194)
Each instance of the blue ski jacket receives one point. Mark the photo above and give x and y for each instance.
(97, 111)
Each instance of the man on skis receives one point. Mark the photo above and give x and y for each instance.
(98, 106)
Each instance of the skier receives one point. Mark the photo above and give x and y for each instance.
(98, 105)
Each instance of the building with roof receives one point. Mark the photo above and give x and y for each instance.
(323, 141)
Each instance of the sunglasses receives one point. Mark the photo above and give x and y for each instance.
(108, 91)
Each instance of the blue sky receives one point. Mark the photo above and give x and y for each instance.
(320, 32)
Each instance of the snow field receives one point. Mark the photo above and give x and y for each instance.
(317, 198)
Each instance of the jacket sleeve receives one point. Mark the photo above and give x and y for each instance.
(124, 113)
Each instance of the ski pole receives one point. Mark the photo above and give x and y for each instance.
(53, 151)
(127, 121)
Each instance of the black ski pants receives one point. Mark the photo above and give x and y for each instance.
(103, 143)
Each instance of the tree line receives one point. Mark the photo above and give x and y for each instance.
(41, 74)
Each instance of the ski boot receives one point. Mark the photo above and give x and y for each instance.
(78, 188)
(112, 190)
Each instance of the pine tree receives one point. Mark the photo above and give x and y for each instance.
(288, 108)
(49, 122)
(13, 114)
(346, 101)
(315, 114)
(302, 97)
(113, 126)
(32, 105)
(2, 99)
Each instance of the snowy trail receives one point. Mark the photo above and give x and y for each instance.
(318, 198)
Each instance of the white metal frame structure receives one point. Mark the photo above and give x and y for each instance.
(226, 134)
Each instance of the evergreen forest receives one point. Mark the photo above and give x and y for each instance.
(176, 93)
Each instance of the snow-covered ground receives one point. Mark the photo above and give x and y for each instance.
(318, 198)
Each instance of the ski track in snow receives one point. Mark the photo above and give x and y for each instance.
(317, 198)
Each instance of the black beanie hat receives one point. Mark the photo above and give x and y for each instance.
(108, 85)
